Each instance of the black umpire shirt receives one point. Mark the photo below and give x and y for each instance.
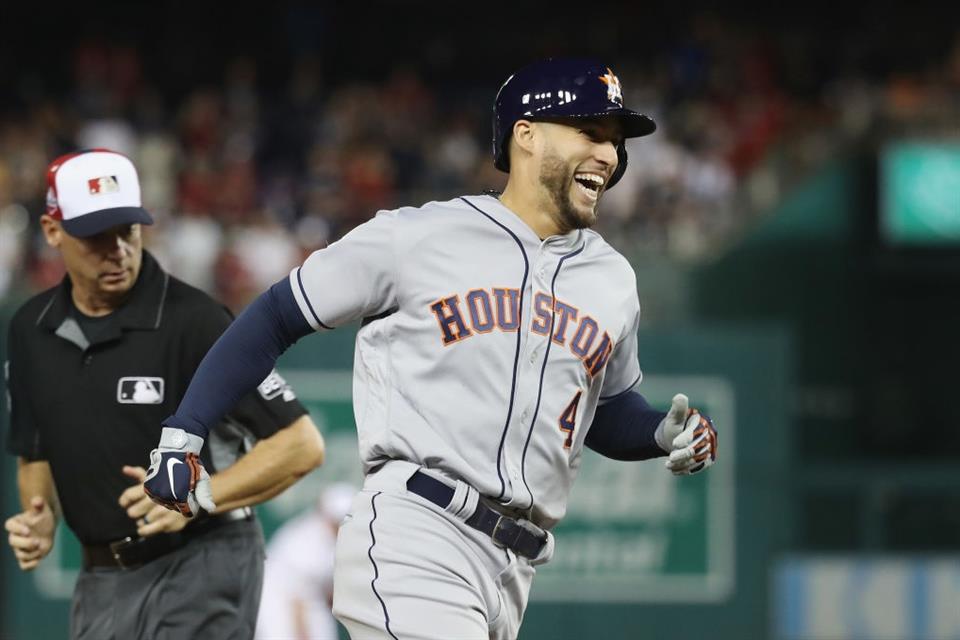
(87, 395)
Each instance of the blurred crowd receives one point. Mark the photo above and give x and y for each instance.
(245, 181)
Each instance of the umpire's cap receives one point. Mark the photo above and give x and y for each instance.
(91, 190)
(563, 88)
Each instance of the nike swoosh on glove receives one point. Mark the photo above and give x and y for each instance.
(689, 437)
(176, 478)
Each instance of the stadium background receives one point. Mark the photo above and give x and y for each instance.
(794, 224)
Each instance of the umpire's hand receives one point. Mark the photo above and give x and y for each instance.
(151, 518)
(688, 436)
(31, 533)
(176, 478)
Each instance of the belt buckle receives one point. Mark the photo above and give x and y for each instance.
(505, 532)
(117, 547)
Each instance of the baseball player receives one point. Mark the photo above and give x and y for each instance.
(298, 572)
(498, 338)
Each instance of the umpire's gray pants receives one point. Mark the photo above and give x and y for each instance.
(210, 588)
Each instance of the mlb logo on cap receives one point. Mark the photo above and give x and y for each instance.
(106, 184)
(90, 191)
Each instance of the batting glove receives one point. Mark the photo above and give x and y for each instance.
(176, 478)
(688, 436)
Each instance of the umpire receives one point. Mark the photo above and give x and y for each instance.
(95, 364)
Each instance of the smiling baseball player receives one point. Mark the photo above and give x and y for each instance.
(498, 338)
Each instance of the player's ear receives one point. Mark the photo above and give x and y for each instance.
(524, 137)
(52, 230)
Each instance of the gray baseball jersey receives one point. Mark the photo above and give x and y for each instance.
(483, 351)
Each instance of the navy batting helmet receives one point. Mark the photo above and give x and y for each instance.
(563, 88)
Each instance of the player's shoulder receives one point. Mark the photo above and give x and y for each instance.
(411, 225)
(596, 248)
(433, 212)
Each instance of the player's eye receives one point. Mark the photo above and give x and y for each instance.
(601, 135)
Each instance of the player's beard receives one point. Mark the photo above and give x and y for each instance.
(557, 179)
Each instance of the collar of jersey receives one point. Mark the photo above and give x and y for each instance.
(559, 244)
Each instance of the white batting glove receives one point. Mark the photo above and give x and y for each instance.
(688, 436)
(176, 478)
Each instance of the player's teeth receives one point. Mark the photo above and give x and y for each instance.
(590, 178)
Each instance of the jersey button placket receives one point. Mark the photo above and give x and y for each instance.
(527, 383)
(542, 257)
(541, 285)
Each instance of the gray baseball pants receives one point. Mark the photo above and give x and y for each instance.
(407, 569)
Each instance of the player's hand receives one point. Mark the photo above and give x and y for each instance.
(151, 518)
(176, 478)
(31, 533)
(688, 436)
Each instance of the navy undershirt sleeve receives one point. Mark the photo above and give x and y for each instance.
(623, 429)
(240, 359)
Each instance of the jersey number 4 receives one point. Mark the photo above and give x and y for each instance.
(568, 419)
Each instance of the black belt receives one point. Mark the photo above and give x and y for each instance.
(520, 536)
(132, 552)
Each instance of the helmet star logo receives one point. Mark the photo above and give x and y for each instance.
(614, 92)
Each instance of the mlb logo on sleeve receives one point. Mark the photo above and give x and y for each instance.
(140, 390)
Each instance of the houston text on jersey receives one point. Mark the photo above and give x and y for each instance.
(499, 308)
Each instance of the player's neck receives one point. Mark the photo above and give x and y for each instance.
(527, 206)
